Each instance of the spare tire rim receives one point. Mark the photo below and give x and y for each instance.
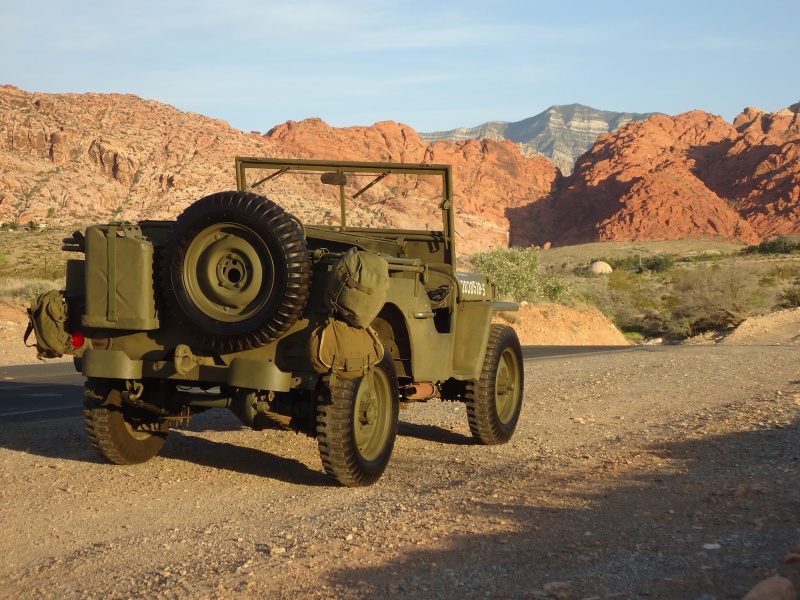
(228, 272)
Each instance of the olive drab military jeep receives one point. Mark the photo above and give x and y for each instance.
(298, 301)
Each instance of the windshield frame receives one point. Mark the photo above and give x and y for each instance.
(281, 166)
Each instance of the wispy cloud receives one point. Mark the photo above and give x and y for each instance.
(258, 62)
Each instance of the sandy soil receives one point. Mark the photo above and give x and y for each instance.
(554, 325)
(660, 472)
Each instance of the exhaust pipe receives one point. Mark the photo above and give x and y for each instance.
(420, 391)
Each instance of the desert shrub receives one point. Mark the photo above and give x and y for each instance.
(791, 297)
(784, 271)
(16, 290)
(516, 273)
(509, 317)
(682, 302)
(713, 298)
(634, 337)
(659, 263)
(774, 246)
(555, 289)
(583, 297)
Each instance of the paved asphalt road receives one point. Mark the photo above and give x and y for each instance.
(41, 392)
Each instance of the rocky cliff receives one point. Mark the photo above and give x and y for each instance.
(70, 159)
(561, 133)
(693, 175)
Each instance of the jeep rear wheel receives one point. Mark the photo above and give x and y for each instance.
(236, 270)
(495, 400)
(357, 425)
(122, 434)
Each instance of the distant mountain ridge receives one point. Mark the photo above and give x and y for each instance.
(561, 133)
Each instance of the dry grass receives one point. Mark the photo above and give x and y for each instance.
(19, 290)
(31, 263)
(33, 254)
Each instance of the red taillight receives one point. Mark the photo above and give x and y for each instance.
(77, 339)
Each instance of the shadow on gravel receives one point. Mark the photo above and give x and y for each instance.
(38, 436)
(432, 433)
(241, 459)
(680, 519)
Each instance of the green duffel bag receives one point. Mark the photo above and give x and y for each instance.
(358, 286)
(347, 351)
(47, 318)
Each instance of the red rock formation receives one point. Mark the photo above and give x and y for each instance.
(689, 176)
(67, 158)
(763, 170)
(490, 178)
(88, 157)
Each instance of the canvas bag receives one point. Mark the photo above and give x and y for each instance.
(349, 352)
(357, 289)
(47, 317)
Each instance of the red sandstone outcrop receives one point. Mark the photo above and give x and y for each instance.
(490, 178)
(68, 158)
(689, 176)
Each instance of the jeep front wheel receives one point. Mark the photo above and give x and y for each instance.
(357, 425)
(495, 400)
(122, 434)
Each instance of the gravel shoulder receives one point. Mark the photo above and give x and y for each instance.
(663, 472)
(659, 472)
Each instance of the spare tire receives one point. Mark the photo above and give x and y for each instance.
(236, 270)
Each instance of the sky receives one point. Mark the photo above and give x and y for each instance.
(433, 65)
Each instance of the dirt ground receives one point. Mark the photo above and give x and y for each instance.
(657, 472)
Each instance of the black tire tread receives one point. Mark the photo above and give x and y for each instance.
(103, 417)
(337, 448)
(484, 423)
(296, 267)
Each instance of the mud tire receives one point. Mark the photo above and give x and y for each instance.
(236, 271)
(121, 434)
(494, 401)
(357, 425)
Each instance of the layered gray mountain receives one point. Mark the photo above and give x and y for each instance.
(561, 133)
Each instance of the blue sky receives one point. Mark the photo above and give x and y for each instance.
(432, 65)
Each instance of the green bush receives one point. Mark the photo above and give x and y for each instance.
(791, 297)
(659, 263)
(684, 301)
(516, 273)
(774, 246)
